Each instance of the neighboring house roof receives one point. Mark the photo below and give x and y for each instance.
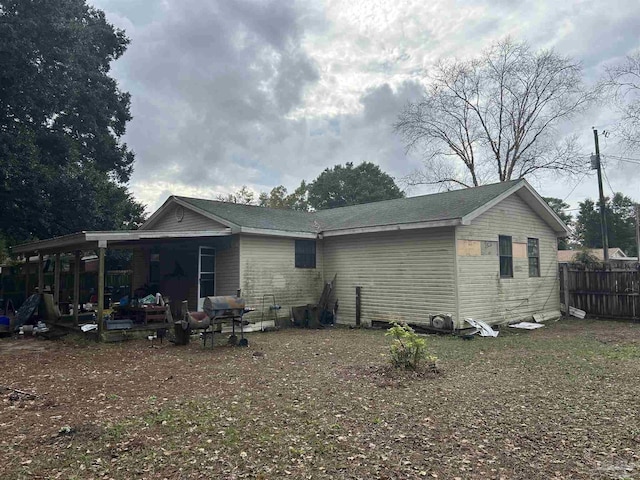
(457, 207)
(614, 252)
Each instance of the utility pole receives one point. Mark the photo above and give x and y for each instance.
(638, 230)
(603, 218)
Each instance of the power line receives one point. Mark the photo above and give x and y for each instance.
(624, 159)
(607, 179)
(575, 186)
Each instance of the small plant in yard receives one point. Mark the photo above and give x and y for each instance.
(408, 350)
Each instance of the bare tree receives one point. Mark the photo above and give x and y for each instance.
(623, 81)
(496, 117)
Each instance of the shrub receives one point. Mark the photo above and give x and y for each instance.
(408, 349)
(586, 257)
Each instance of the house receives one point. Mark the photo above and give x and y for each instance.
(567, 256)
(488, 252)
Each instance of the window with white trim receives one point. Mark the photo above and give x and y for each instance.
(533, 253)
(305, 254)
(505, 248)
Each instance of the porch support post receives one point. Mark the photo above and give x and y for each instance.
(26, 276)
(56, 280)
(40, 273)
(76, 288)
(102, 247)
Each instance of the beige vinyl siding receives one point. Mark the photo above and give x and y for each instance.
(405, 275)
(190, 222)
(267, 266)
(482, 293)
(228, 268)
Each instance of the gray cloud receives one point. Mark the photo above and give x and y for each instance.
(268, 92)
(209, 79)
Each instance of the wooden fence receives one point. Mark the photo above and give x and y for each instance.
(607, 292)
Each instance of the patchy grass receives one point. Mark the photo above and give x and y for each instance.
(559, 402)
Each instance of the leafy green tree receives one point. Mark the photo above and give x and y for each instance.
(279, 198)
(348, 185)
(560, 207)
(62, 118)
(620, 224)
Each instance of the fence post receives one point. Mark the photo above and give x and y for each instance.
(358, 305)
(565, 286)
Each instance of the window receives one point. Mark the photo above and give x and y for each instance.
(506, 256)
(305, 254)
(533, 252)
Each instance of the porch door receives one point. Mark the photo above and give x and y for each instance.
(206, 274)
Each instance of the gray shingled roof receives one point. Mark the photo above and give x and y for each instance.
(424, 208)
(256, 217)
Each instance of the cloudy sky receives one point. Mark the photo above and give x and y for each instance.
(264, 92)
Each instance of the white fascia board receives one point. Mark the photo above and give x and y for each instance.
(392, 228)
(185, 234)
(562, 227)
(70, 240)
(133, 235)
(276, 233)
(87, 240)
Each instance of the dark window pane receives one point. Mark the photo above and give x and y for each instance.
(305, 254)
(208, 251)
(207, 263)
(506, 253)
(506, 267)
(206, 288)
(533, 252)
(505, 245)
(534, 267)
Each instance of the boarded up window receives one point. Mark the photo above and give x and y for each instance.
(305, 254)
(506, 256)
(533, 252)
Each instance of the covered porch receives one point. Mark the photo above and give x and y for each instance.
(187, 265)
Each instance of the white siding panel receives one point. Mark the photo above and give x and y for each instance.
(191, 221)
(267, 266)
(228, 268)
(405, 276)
(482, 293)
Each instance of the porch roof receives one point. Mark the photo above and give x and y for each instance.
(89, 240)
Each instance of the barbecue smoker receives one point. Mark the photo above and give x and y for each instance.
(217, 311)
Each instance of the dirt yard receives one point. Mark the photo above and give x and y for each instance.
(559, 402)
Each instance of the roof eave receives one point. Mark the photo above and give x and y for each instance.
(452, 222)
(276, 233)
(88, 240)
